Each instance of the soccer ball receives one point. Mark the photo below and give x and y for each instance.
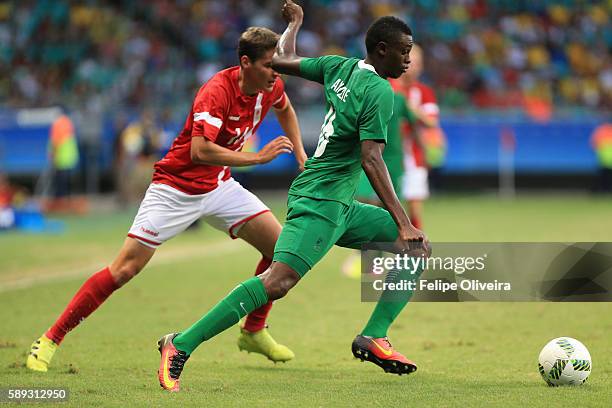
(564, 361)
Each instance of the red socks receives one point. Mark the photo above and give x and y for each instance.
(256, 320)
(91, 295)
(101, 285)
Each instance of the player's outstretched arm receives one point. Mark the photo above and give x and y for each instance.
(204, 151)
(288, 120)
(285, 60)
(376, 170)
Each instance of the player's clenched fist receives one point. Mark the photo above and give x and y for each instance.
(292, 13)
(413, 241)
(277, 146)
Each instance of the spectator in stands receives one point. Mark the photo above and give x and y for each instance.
(481, 53)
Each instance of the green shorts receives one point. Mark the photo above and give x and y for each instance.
(314, 226)
(396, 171)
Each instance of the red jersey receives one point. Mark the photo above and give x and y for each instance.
(417, 95)
(224, 115)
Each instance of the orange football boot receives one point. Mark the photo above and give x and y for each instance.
(172, 363)
(380, 352)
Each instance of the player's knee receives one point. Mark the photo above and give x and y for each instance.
(276, 289)
(279, 289)
(278, 283)
(122, 274)
(130, 261)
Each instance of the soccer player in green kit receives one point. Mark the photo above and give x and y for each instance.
(321, 209)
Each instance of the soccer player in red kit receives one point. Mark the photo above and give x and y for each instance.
(194, 181)
(421, 100)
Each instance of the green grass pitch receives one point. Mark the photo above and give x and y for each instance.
(469, 354)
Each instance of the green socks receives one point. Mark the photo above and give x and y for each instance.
(251, 294)
(389, 305)
(383, 315)
(246, 297)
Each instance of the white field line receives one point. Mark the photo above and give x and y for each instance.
(163, 256)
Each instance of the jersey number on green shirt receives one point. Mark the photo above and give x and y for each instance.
(327, 129)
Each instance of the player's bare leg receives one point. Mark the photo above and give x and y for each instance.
(132, 258)
(262, 232)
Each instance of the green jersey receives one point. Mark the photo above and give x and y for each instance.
(359, 105)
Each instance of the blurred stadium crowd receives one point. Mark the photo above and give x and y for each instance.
(125, 73)
(480, 54)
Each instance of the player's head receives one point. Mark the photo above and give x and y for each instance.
(255, 50)
(388, 43)
(416, 64)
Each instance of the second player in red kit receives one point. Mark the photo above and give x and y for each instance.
(194, 181)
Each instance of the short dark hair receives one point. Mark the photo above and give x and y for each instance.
(256, 41)
(387, 29)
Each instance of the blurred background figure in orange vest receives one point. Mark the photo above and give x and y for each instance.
(64, 158)
(601, 141)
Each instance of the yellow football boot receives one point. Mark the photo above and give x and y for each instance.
(261, 342)
(41, 353)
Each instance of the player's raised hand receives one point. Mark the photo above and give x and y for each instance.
(277, 146)
(292, 13)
